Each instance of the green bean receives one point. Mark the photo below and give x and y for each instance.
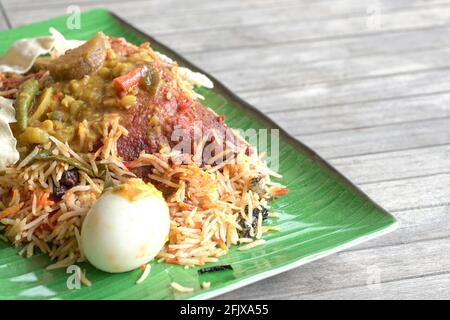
(47, 155)
(28, 90)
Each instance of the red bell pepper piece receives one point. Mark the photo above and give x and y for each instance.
(281, 191)
(184, 104)
(128, 81)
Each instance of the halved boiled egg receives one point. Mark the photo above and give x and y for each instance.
(126, 227)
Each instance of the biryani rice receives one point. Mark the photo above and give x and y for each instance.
(206, 204)
(211, 202)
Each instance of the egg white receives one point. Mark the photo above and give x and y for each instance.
(120, 235)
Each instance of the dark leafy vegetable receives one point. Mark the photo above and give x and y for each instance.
(247, 227)
(215, 268)
(257, 184)
(28, 90)
(264, 212)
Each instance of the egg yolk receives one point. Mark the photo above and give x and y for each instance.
(136, 189)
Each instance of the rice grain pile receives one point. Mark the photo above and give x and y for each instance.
(210, 206)
(213, 204)
(31, 216)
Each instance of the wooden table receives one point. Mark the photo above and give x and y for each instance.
(364, 83)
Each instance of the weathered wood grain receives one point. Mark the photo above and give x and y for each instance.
(179, 16)
(351, 91)
(3, 18)
(411, 192)
(316, 120)
(420, 235)
(310, 54)
(243, 17)
(432, 286)
(302, 74)
(374, 102)
(381, 138)
(415, 226)
(351, 269)
(3, 25)
(393, 165)
(304, 31)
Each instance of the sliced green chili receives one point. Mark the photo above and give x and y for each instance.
(47, 155)
(151, 79)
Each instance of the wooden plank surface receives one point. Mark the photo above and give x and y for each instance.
(3, 18)
(373, 99)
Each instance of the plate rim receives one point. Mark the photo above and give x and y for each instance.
(288, 138)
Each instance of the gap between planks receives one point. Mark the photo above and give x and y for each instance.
(373, 293)
(387, 151)
(346, 36)
(292, 87)
(395, 263)
(360, 10)
(6, 23)
(359, 102)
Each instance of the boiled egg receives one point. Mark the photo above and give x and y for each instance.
(126, 227)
